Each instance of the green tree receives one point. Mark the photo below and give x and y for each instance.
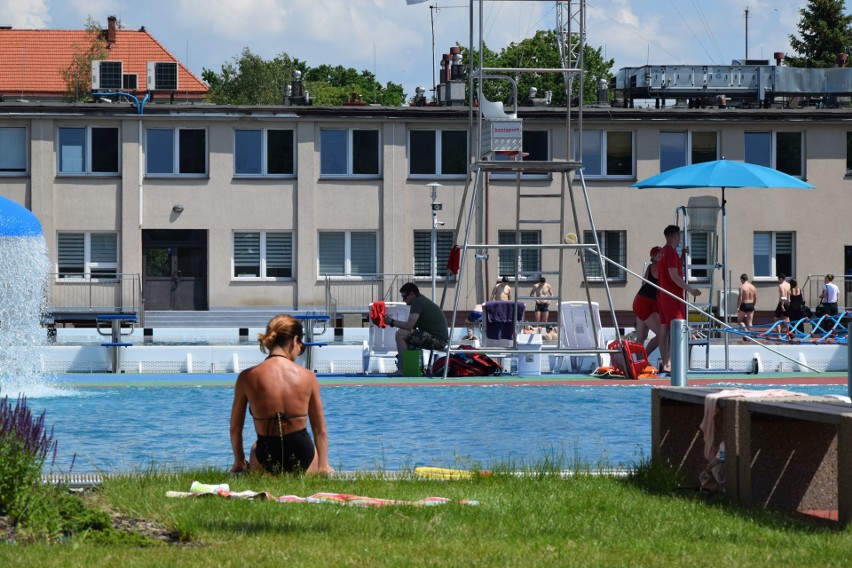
(251, 80)
(825, 31)
(78, 75)
(542, 50)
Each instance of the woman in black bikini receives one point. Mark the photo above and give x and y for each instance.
(281, 396)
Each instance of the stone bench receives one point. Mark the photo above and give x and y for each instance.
(785, 454)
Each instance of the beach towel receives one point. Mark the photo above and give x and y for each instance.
(500, 319)
(708, 424)
(223, 490)
(378, 313)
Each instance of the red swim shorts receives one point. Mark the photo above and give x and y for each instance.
(670, 309)
(644, 306)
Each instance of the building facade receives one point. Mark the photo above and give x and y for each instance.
(291, 207)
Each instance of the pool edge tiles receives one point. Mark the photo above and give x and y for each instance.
(108, 380)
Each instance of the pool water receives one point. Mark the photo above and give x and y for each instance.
(370, 428)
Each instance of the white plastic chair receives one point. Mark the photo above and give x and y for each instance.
(577, 331)
(381, 343)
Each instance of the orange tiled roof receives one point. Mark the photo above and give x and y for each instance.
(31, 61)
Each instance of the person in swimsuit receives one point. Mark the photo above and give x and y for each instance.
(783, 302)
(540, 291)
(645, 306)
(746, 302)
(282, 397)
(796, 309)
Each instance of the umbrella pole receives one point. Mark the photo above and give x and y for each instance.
(725, 280)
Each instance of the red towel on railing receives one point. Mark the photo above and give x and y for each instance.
(377, 314)
(454, 261)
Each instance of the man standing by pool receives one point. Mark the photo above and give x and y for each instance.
(425, 328)
(670, 279)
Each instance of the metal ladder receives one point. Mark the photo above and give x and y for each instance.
(522, 198)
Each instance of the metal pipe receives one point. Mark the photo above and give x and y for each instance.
(679, 339)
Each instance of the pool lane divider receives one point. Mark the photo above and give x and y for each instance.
(108, 380)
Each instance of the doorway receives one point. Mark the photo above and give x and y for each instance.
(174, 272)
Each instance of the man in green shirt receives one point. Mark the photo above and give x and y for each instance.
(426, 326)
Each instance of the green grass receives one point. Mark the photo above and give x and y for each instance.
(536, 520)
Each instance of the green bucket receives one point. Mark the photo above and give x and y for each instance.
(411, 363)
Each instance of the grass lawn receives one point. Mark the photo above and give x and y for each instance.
(537, 520)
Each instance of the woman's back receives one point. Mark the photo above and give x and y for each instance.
(278, 389)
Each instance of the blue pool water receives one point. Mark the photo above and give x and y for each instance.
(390, 428)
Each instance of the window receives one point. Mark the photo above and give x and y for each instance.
(349, 152)
(529, 259)
(348, 253)
(848, 152)
(788, 156)
(788, 153)
(264, 152)
(13, 158)
(437, 152)
(423, 252)
(262, 254)
(176, 151)
(536, 147)
(774, 254)
(682, 148)
(87, 255)
(88, 150)
(130, 81)
(699, 254)
(613, 246)
(607, 153)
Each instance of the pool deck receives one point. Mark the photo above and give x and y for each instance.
(108, 380)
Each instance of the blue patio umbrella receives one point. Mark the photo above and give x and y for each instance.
(17, 221)
(723, 174)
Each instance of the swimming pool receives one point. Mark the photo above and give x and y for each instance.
(129, 428)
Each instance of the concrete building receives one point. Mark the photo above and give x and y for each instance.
(307, 207)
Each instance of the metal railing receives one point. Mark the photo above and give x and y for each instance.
(76, 293)
(354, 295)
(813, 284)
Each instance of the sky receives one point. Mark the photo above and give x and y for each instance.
(394, 40)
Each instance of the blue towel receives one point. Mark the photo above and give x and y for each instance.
(500, 321)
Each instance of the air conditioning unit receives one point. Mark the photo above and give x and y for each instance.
(162, 76)
(106, 75)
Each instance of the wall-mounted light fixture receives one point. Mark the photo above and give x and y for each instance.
(178, 208)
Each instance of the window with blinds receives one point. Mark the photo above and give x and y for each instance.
(774, 254)
(423, 251)
(529, 260)
(699, 253)
(87, 255)
(348, 253)
(262, 254)
(613, 246)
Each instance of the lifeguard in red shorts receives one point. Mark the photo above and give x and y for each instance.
(671, 279)
(645, 306)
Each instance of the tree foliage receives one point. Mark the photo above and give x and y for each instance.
(542, 51)
(78, 75)
(252, 80)
(825, 31)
